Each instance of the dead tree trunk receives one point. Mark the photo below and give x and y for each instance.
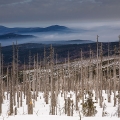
(11, 95)
(0, 84)
(0, 98)
(97, 79)
(119, 83)
(82, 79)
(52, 110)
(101, 79)
(114, 78)
(16, 82)
(108, 78)
(13, 76)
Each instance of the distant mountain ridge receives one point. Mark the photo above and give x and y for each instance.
(5, 30)
(80, 41)
(14, 36)
(49, 35)
(67, 42)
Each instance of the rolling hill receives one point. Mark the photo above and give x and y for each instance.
(53, 28)
(15, 36)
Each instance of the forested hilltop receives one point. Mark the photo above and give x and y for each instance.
(32, 49)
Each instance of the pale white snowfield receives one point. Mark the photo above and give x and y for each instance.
(41, 110)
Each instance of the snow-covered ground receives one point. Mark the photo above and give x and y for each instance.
(41, 110)
(53, 117)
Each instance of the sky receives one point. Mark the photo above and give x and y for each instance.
(101, 15)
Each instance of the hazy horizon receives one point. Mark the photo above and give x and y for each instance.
(97, 17)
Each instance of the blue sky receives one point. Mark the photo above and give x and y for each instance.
(100, 17)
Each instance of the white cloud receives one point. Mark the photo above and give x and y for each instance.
(84, 1)
(92, 1)
(15, 3)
